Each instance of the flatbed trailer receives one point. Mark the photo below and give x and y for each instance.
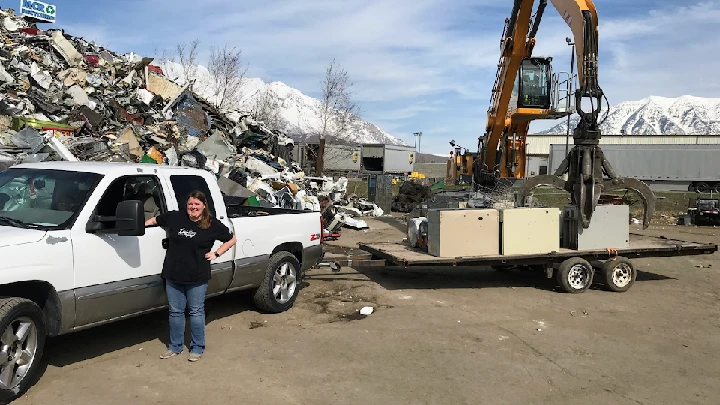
(573, 269)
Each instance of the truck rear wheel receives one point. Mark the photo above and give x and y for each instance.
(575, 275)
(280, 285)
(22, 338)
(619, 274)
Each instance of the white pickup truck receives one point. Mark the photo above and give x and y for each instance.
(76, 254)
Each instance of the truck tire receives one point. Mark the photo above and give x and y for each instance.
(618, 274)
(281, 283)
(575, 275)
(702, 187)
(22, 339)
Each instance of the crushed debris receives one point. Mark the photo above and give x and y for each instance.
(411, 195)
(64, 98)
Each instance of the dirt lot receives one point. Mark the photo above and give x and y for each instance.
(454, 337)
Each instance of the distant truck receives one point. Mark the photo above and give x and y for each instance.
(76, 253)
(704, 211)
(662, 167)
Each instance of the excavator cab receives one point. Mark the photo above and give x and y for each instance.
(535, 83)
(538, 93)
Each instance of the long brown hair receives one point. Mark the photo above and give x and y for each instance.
(205, 217)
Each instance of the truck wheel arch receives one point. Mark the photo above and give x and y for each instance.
(296, 248)
(44, 295)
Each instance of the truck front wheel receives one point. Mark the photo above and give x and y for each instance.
(22, 338)
(281, 283)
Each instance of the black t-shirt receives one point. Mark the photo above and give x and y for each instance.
(185, 260)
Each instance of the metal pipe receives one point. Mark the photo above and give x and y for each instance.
(570, 84)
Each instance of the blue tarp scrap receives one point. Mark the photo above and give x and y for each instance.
(190, 115)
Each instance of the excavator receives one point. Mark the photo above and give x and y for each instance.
(525, 89)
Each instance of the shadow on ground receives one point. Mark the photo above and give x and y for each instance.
(471, 277)
(84, 345)
(396, 223)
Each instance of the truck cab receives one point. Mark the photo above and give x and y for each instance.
(76, 253)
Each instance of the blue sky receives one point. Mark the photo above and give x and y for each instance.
(417, 65)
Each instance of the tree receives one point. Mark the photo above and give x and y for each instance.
(227, 70)
(188, 59)
(337, 109)
(163, 56)
(266, 108)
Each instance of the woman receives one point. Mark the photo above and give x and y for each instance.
(186, 269)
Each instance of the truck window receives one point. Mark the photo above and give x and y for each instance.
(42, 197)
(183, 185)
(145, 188)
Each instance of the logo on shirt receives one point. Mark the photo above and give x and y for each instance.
(187, 233)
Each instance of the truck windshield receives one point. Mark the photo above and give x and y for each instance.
(41, 198)
(708, 205)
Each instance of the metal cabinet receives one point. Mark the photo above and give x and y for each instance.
(463, 232)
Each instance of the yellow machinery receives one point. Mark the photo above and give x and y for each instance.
(459, 167)
(416, 176)
(525, 89)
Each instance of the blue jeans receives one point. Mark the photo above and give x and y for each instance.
(193, 296)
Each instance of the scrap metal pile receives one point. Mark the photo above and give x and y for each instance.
(64, 98)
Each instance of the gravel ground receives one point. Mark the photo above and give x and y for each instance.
(454, 337)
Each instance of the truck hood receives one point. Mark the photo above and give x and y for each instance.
(12, 236)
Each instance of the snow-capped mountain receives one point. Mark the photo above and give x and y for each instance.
(297, 112)
(685, 115)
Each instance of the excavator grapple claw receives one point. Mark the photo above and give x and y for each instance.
(585, 166)
(531, 183)
(647, 196)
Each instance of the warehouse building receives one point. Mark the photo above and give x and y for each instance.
(348, 160)
(391, 159)
(538, 146)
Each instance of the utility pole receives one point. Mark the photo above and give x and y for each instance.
(419, 137)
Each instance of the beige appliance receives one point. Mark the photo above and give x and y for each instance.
(454, 232)
(529, 230)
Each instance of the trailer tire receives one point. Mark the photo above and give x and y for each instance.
(16, 315)
(702, 187)
(618, 274)
(575, 275)
(283, 273)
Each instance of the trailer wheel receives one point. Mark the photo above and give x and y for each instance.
(619, 274)
(702, 187)
(575, 275)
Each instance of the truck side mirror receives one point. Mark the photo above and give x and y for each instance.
(130, 218)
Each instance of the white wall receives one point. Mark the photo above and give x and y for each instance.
(540, 144)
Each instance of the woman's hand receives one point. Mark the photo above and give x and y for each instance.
(150, 222)
(211, 255)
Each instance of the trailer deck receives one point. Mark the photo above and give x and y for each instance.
(640, 246)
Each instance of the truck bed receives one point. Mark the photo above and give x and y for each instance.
(402, 254)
